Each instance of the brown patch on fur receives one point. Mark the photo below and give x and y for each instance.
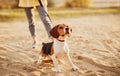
(43, 54)
(54, 32)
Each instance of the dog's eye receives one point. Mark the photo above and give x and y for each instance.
(61, 28)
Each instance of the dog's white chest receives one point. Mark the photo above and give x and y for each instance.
(59, 47)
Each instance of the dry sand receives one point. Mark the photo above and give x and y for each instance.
(94, 45)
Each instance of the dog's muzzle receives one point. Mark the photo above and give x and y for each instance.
(68, 30)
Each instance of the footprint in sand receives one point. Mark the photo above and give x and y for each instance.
(101, 71)
(80, 57)
(29, 69)
(89, 71)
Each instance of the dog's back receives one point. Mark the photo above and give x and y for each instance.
(47, 48)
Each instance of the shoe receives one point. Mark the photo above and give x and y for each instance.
(34, 45)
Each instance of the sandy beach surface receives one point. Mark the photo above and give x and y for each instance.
(94, 47)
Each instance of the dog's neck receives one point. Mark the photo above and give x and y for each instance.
(59, 40)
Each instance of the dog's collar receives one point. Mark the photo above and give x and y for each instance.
(61, 40)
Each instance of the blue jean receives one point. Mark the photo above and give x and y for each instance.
(43, 15)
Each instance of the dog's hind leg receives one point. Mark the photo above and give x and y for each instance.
(39, 61)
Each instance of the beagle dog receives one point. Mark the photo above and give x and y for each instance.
(58, 48)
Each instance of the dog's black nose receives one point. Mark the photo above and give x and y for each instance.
(66, 29)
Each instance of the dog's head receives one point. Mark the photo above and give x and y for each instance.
(61, 31)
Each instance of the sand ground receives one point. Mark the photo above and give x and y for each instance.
(94, 47)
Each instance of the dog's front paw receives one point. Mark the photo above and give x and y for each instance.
(75, 68)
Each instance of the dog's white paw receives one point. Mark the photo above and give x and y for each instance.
(75, 68)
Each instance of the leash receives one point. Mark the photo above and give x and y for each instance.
(41, 4)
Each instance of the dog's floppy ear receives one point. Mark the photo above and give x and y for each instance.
(54, 32)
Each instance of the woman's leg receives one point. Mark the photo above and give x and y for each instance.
(30, 16)
(45, 19)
